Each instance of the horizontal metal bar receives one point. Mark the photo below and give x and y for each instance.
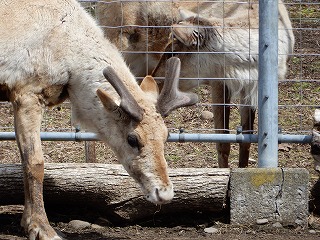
(174, 137)
(291, 138)
(56, 136)
(201, 137)
(235, 138)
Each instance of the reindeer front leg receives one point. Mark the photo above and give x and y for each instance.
(221, 112)
(28, 115)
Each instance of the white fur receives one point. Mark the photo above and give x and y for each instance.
(238, 38)
(48, 44)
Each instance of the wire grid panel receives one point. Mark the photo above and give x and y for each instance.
(142, 37)
(142, 30)
(298, 92)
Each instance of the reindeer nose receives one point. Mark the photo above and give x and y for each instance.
(164, 195)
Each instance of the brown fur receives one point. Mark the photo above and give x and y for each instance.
(55, 94)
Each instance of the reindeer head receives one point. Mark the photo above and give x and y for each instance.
(192, 30)
(197, 41)
(139, 144)
(142, 35)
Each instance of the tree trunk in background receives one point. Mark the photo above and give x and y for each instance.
(90, 149)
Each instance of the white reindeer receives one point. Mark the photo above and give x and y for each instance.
(223, 39)
(51, 50)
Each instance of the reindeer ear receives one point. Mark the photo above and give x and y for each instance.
(188, 34)
(150, 87)
(189, 31)
(111, 106)
(183, 33)
(128, 103)
(148, 84)
(106, 100)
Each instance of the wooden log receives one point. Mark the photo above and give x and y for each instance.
(107, 188)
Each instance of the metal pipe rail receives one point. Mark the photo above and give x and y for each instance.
(173, 137)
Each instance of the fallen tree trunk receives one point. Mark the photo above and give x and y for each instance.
(107, 188)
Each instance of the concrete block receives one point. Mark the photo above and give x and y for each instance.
(275, 194)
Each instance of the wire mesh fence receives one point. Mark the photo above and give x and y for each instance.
(298, 91)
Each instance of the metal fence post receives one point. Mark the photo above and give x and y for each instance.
(268, 84)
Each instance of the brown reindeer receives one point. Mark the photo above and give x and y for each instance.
(217, 43)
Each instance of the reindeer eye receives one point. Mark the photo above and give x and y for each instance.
(133, 141)
(134, 37)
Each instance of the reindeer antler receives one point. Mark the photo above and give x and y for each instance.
(171, 97)
(128, 104)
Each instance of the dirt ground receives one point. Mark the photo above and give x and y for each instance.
(202, 226)
(172, 228)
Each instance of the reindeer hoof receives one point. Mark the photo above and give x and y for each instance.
(42, 231)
